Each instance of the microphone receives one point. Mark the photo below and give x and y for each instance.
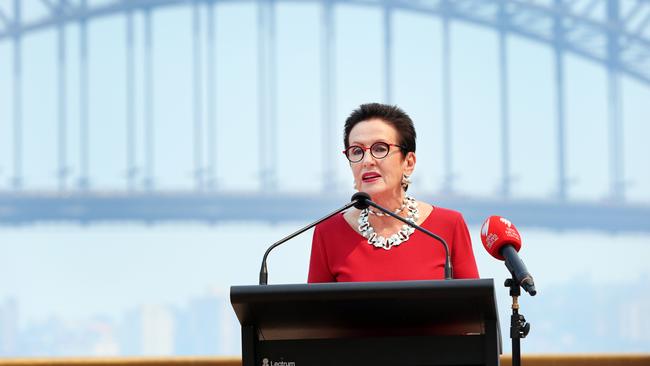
(501, 239)
(367, 202)
(358, 200)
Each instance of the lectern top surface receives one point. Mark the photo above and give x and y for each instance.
(446, 306)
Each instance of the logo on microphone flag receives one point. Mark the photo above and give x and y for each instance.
(485, 227)
(490, 240)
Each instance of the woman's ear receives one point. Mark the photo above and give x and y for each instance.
(409, 163)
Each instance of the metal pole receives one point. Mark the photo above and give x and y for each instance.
(62, 100)
(272, 98)
(267, 93)
(504, 95)
(448, 182)
(388, 51)
(84, 179)
(130, 104)
(261, 93)
(17, 181)
(148, 103)
(327, 93)
(617, 185)
(558, 30)
(211, 96)
(516, 341)
(519, 328)
(197, 96)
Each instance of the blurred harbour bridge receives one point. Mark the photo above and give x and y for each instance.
(613, 34)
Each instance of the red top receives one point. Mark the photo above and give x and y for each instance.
(340, 254)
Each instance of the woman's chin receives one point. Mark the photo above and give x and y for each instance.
(373, 189)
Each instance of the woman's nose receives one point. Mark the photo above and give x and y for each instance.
(368, 158)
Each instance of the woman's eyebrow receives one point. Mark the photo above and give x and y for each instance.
(361, 143)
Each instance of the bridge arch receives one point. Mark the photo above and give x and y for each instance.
(620, 43)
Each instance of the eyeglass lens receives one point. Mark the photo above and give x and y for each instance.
(379, 150)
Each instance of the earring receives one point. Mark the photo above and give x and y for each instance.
(406, 180)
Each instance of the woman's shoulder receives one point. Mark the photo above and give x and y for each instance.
(335, 222)
(443, 215)
(334, 230)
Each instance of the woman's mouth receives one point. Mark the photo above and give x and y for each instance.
(370, 177)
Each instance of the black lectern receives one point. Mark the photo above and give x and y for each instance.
(452, 322)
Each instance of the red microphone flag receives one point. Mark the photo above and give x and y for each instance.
(497, 232)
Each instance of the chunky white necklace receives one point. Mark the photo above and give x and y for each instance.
(396, 239)
(379, 213)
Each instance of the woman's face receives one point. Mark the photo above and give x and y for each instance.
(379, 177)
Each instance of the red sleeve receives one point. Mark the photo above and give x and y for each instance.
(462, 255)
(318, 269)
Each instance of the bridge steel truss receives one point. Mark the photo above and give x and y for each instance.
(612, 33)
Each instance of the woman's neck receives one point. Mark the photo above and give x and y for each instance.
(390, 200)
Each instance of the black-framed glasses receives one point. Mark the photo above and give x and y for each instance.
(378, 150)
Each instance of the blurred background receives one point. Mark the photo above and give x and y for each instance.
(151, 150)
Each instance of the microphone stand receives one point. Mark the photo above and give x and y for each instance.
(359, 200)
(519, 328)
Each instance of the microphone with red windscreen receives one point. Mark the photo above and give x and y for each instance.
(501, 239)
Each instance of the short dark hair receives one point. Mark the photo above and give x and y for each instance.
(390, 114)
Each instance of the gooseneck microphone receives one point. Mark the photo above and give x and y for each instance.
(502, 240)
(448, 269)
(358, 200)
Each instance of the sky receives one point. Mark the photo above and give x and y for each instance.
(74, 271)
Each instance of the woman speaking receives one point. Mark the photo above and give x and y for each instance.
(366, 245)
